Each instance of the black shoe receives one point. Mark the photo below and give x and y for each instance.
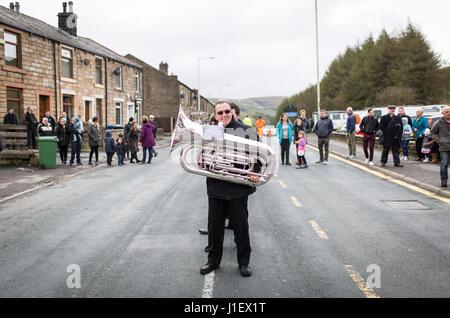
(208, 249)
(288, 164)
(91, 164)
(96, 163)
(245, 271)
(282, 163)
(399, 166)
(208, 268)
(156, 154)
(444, 184)
(319, 162)
(203, 231)
(79, 164)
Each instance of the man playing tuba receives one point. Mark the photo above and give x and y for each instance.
(228, 199)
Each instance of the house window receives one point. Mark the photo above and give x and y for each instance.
(136, 76)
(118, 74)
(14, 101)
(118, 113)
(12, 49)
(98, 108)
(68, 105)
(67, 63)
(98, 71)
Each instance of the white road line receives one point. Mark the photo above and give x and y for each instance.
(208, 286)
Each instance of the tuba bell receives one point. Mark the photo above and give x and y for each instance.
(210, 152)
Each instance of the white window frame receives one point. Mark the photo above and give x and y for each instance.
(137, 82)
(71, 63)
(118, 105)
(120, 77)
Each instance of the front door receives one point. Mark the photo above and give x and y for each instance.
(87, 110)
(44, 105)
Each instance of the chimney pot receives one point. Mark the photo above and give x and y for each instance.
(11, 5)
(64, 7)
(17, 6)
(70, 6)
(164, 67)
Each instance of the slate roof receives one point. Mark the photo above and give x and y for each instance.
(32, 25)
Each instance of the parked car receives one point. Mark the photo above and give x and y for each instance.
(273, 130)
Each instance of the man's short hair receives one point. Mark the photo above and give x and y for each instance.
(222, 101)
(94, 119)
(236, 108)
(369, 110)
(401, 107)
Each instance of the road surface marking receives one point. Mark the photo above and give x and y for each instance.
(389, 178)
(296, 202)
(283, 185)
(318, 230)
(208, 286)
(360, 282)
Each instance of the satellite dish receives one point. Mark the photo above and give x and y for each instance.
(86, 62)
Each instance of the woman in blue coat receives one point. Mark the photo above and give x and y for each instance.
(420, 124)
(285, 131)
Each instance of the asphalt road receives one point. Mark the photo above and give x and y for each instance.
(133, 232)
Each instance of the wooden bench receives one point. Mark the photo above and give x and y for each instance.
(14, 140)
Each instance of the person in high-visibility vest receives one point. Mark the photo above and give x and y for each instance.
(260, 123)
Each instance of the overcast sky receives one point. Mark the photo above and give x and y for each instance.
(261, 47)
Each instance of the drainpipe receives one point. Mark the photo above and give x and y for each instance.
(55, 77)
(106, 94)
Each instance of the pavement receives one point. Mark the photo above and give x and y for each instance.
(326, 231)
(15, 180)
(423, 175)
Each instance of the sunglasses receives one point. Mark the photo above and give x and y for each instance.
(226, 112)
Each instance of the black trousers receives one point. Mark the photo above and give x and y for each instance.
(109, 156)
(419, 144)
(285, 145)
(94, 149)
(63, 152)
(395, 153)
(31, 138)
(237, 211)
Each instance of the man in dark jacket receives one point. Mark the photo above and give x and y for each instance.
(369, 127)
(31, 122)
(323, 129)
(10, 118)
(441, 134)
(126, 131)
(305, 121)
(351, 133)
(228, 199)
(392, 128)
(401, 114)
(153, 122)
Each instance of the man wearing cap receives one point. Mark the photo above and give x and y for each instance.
(153, 122)
(126, 131)
(441, 134)
(392, 128)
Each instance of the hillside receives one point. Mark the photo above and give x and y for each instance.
(257, 106)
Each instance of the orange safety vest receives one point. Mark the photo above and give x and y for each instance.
(260, 123)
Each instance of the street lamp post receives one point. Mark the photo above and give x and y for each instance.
(198, 79)
(317, 58)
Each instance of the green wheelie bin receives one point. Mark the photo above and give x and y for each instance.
(47, 152)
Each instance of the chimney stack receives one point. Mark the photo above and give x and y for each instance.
(67, 21)
(11, 5)
(17, 6)
(164, 67)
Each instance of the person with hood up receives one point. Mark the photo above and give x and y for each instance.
(120, 150)
(110, 148)
(147, 139)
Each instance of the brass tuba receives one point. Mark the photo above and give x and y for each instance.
(220, 155)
